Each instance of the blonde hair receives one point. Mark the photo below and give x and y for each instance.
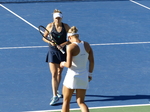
(73, 29)
(57, 11)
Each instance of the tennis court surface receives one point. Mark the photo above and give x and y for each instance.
(118, 32)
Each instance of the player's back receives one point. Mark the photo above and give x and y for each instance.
(79, 61)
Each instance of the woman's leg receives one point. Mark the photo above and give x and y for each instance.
(56, 76)
(67, 93)
(80, 95)
(59, 76)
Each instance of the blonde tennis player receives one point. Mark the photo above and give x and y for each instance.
(79, 53)
(58, 30)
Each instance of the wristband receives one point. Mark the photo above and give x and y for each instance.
(90, 74)
(63, 63)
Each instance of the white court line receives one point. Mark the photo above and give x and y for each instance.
(140, 4)
(94, 108)
(24, 47)
(102, 44)
(121, 43)
(19, 16)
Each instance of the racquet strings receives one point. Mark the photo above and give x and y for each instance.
(44, 32)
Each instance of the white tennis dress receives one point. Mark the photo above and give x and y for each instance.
(77, 75)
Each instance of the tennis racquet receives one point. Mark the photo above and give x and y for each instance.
(43, 31)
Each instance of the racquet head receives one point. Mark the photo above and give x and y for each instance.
(45, 33)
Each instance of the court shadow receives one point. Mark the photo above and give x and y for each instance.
(57, 104)
(111, 98)
(118, 98)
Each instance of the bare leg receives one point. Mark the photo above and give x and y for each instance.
(66, 100)
(80, 95)
(56, 77)
(59, 75)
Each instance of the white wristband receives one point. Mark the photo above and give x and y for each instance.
(90, 74)
(63, 63)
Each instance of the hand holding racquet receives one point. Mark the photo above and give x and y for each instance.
(45, 33)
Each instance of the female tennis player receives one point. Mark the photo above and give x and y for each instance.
(58, 31)
(79, 53)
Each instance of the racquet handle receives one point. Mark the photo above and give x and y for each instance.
(62, 51)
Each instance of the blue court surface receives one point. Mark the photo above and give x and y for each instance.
(118, 31)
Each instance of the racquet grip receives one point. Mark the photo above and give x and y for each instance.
(62, 51)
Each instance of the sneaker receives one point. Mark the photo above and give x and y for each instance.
(54, 100)
(59, 95)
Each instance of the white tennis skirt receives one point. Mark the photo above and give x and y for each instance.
(76, 79)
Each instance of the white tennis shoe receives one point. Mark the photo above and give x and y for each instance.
(55, 99)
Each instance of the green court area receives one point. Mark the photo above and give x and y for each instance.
(137, 108)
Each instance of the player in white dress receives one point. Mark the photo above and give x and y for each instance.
(79, 53)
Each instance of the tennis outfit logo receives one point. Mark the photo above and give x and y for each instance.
(82, 54)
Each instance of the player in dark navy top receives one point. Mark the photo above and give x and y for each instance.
(58, 30)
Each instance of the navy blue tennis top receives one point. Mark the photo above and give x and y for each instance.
(60, 37)
(54, 55)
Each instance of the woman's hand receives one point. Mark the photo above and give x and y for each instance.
(90, 78)
(59, 47)
(52, 43)
(62, 64)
